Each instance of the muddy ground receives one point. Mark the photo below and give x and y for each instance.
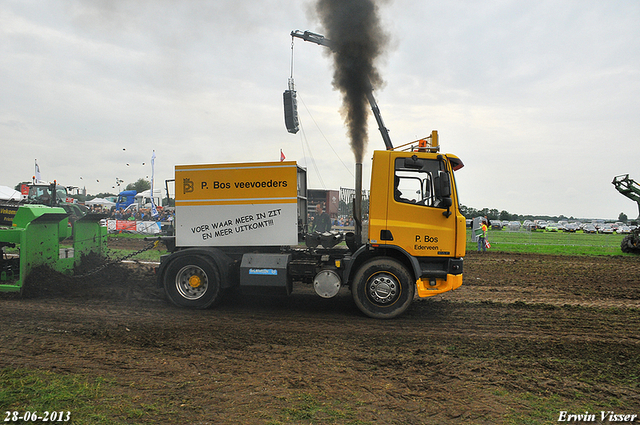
(524, 338)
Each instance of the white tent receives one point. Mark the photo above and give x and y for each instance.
(8, 194)
(100, 201)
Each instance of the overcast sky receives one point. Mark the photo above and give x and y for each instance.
(541, 100)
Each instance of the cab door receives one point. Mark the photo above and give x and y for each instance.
(419, 215)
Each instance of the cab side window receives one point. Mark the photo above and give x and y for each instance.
(416, 181)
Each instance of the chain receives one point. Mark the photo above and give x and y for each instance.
(118, 260)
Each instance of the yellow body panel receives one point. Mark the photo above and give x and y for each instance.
(442, 285)
(236, 183)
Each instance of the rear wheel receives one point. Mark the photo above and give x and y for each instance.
(383, 288)
(631, 244)
(192, 281)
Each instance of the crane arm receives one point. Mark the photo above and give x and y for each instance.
(322, 41)
(629, 188)
(312, 37)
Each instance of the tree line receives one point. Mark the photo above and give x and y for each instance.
(494, 214)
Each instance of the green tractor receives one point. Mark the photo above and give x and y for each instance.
(55, 195)
(631, 189)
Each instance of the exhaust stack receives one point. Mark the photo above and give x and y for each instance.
(357, 204)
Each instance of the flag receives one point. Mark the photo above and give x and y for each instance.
(37, 176)
(282, 157)
(154, 210)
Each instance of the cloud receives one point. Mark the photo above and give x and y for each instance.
(539, 99)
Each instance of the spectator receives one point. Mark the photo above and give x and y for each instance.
(322, 221)
(482, 235)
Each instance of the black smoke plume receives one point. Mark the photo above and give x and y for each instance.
(353, 27)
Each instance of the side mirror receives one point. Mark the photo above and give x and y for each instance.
(444, 189)
(447, 202)
(444, 184)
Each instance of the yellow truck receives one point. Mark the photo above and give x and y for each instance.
(245, 225)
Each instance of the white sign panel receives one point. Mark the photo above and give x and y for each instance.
(237, 225)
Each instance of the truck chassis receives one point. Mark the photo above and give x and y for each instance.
(382, 280)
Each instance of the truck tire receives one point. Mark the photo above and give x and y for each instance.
(383, 288)
(192, 281)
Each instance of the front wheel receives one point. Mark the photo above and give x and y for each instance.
(383, 288)
(192, 281)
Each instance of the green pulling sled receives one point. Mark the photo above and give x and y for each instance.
(36, 231)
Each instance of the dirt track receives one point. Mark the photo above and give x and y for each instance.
(523, 331)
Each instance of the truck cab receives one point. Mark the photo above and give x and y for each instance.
(143, 199)
(414, 216)
(125, 198)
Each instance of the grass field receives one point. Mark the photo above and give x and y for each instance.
(538, 242)
(558, 243)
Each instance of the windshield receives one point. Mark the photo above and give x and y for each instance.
(43, 194)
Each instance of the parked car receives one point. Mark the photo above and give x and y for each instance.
(540, 224)
(571, 227)
(514, 226)
(551, 227)
(496, 225)
(589, 228)
(606, 229)
(624, 229)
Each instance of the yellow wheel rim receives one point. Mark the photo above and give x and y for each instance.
(195, 281)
